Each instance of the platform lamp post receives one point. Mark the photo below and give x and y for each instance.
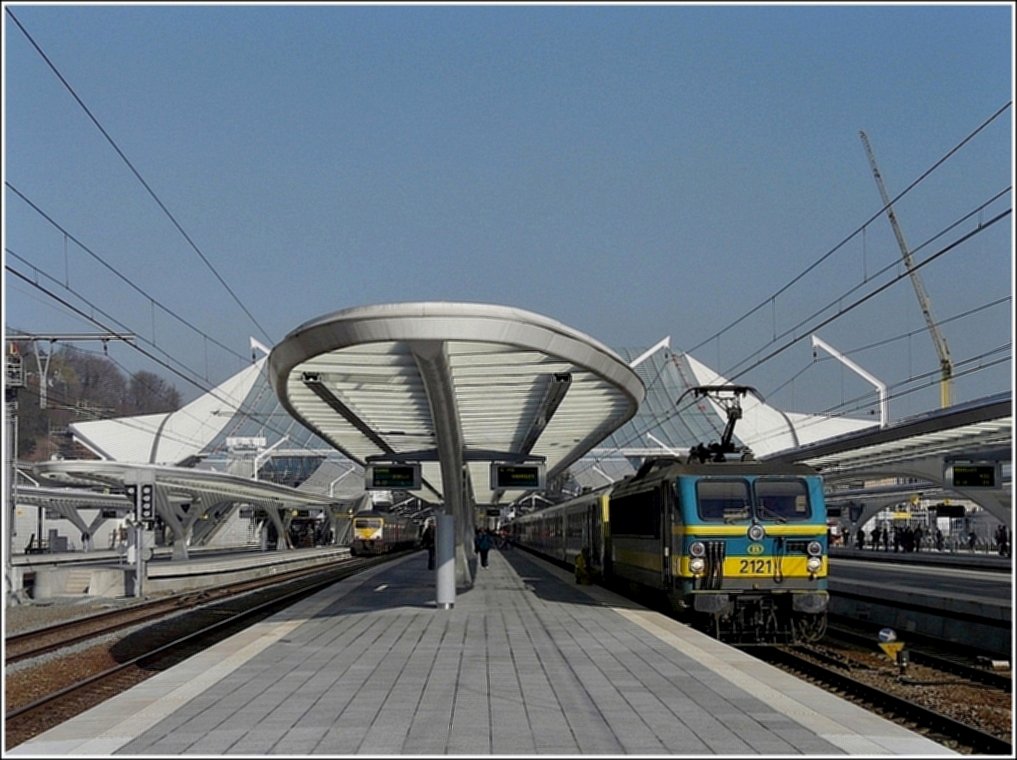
(880, 386)
(331, 486)
(267, 452)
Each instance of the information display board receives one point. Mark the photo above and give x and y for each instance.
(973, 475)
(392, 477)
(517, 476)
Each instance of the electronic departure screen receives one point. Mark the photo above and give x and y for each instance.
(393, 477)
(517, 476)
(974, 475)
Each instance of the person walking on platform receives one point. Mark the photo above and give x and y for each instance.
(1001, 540)
(427, 541)
(483, 543)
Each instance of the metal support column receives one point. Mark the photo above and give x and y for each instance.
(445, 560)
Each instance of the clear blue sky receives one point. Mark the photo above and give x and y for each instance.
(633, 171)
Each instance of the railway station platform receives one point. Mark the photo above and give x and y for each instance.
(110, 574)
(526, 662)
(962, 598)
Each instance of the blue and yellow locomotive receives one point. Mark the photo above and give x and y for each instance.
(738, 547)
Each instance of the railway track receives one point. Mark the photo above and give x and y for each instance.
(896, 702)
(967, 666)
(158, 645)
(34, 643)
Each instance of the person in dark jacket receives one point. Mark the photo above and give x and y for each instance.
(483, 543)
(427, 541)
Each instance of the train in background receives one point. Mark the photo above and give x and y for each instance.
(738, 548)
(377, 532)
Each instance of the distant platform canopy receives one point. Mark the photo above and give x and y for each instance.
(453, 385)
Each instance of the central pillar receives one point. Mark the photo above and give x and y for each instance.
(445, 560)
(431, 358)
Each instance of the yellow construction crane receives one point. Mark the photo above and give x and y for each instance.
(945, 362)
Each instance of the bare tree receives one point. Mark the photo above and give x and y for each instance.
(148, 393)
(80, 386)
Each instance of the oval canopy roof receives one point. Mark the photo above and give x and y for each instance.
(453, 384)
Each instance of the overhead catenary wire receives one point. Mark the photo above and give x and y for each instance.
(981, 227)
(800, 325)
(136, 173)
(204, 388)
(912, 333)
(675, 411)
(68, 235)
(1002, 215)
(857, 231)
(155, 346)
(896, 391)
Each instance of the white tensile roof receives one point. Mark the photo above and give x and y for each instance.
(497, 369)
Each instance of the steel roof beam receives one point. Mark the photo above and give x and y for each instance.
(558, 385)
(313, 382)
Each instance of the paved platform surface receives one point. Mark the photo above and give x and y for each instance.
(527, 662)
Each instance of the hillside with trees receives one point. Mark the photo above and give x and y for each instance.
(81, 385)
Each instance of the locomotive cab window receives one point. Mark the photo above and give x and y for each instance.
(782, 499)
(367, 522)
(723, 500)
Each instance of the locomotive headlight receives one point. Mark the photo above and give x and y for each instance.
(756, 532)
(814, 549)
(813, 564)
(697, 549)
(697, 565)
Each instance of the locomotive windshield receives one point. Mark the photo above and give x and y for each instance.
(723, 500)
(782, 499)
(367, 522)
(736, 500)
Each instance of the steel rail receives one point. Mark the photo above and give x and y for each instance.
(979, 741)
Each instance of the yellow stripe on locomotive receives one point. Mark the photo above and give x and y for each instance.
(756, 566)
(786, 567)
(726, 531)
(785, 552)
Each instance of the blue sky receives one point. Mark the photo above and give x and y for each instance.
(633, 171)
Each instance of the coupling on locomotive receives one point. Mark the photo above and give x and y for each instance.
(736, 546)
